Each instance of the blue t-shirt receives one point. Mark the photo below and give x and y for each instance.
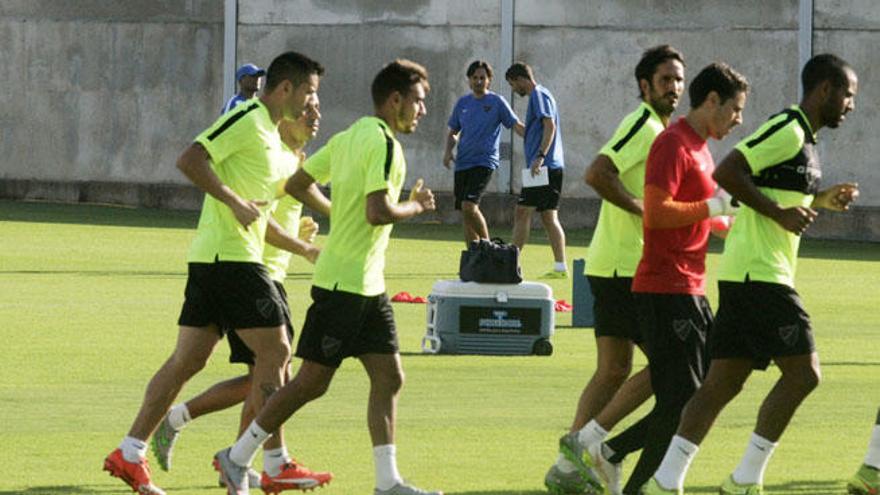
(541, 105)
(480, 121)
(235, 100)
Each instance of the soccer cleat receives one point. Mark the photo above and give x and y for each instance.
(135, 474)
(253, 479)
(574, 452)
(163, 443)
(865, 482)
(233, 475)
(294, 476)
(560, 483)
(654, 488)
(609, 472)
(403, 488)
(554, 274)
(730, 487)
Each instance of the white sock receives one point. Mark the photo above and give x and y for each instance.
(754, 462)
(179, 416)
(872, 458)
(385, 457)
(559, 266)
(133, 450)
(592, 433)
(565, 465)
(678, 458)
(274, 460)
(245, 448)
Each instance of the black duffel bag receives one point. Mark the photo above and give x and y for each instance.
(490, 262)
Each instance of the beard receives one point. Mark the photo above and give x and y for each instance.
(661, 104)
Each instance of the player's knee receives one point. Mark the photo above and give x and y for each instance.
(614, 373)
(390, 382)
(805, 379)
(274, 355)
(311, 389)
(186, 366)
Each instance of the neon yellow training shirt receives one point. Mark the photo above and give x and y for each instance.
(245, 150)
(617, 241)
(786, 169)
(287, 213)
(360, 160)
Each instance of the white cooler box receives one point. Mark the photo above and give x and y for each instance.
(502, 319)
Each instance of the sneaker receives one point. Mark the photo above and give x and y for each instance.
(654, 488)
(253, 479)
(134, 474)
(163, 443)
(403, 488)
(574, 452)
(233, 475)
(553, 274)
(560, 483)
(865, 482)
(609, 472)
(294, 476)
(730, 487)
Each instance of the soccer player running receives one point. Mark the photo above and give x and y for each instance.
(669, 283)
(238, 163)
(866, 481)
(618, 176)
(292, 237)
(775, 173)
(475, 124)
(543, 149)
(350, 314)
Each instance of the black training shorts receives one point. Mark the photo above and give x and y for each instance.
(231, 294)
(543, 197)
(676, 328)
(239, 352)
(760, 321)
(342, 324)
(470, 184)
(614, 308)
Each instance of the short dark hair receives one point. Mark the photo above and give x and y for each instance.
(291, 66)
(651, 59)
(720, 78)
(824, 67)
(479, 64)
(519, 69)
(400, 75)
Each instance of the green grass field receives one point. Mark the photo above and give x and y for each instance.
(89, 298)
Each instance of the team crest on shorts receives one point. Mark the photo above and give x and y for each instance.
(265, 307)
(683, 328)
(330, 346)
(789, 334)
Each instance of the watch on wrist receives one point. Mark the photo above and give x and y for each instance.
(541, 154)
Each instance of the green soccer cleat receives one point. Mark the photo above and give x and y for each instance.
(163, 443)
(575, 453)
(730, 487)
(865, 482)
(560, 483)
(654, 488)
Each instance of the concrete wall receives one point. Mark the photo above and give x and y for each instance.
(100, 107)
(105, 90)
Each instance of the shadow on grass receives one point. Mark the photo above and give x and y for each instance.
(500, 492)
(92, 214)
(822, 487)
